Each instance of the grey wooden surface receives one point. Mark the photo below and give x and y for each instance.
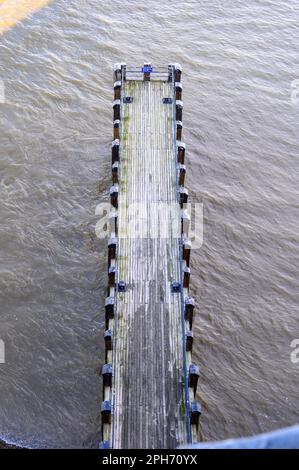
(148, 400)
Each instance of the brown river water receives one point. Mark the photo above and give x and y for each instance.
(240, 65)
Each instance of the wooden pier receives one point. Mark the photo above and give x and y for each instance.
(149, 381)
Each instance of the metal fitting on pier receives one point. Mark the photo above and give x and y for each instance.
(117, 90)
(195, 412)
(193, 377)
(114, 195)
(116, 110)
(186, 277)
(189, 309)
(115, 151)
(109, 308)
(108, 340)
(104, 445)
(116, 125)
(179, 127)
(147, 69)
(107, 375)
(189, 340)
(182, 173)
(183, 193)
(106, 411)
(186, 250)
(178, 90)
(179, 110)
(128, 99)
(114, 170)
(181, 147)
(185, 222)
(112, 243)
(177, 72)
(170, 72)
(121, 287)
(175, 287)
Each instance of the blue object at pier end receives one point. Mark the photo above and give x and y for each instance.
(147, 69)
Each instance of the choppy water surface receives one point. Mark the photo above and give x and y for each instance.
(241, 128)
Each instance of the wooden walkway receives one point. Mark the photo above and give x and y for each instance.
(147, 389)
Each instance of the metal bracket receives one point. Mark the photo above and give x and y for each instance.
(167, 101)
(121, 286)
(147, 69)
(128, 99)
(175, 287)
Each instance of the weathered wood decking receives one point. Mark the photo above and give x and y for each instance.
(148, 390)
(149, 406)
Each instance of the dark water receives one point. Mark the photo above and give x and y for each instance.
(241, 129)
